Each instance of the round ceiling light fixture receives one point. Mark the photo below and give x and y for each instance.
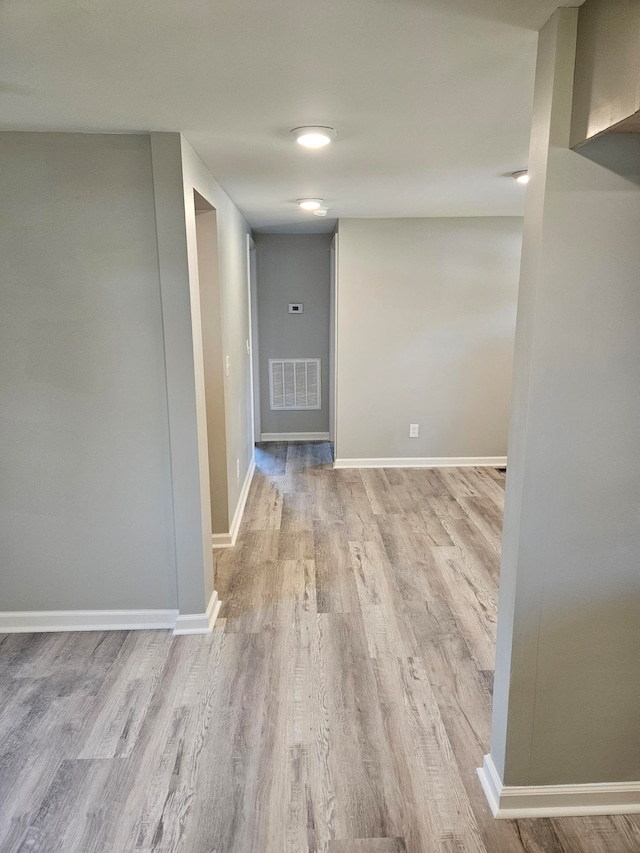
(314, 136)
(522, 177)
(310, 203)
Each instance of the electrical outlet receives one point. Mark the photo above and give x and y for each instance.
(414, 430)
(238, 470)
(227, 362)
(248, 347)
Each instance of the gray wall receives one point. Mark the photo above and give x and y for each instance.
(293, 268)
(607, 81)
(85, 485)
(425, 328)
(184, 363)
(104, 480)
(567, 682)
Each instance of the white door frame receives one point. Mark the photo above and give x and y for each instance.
(254, 354)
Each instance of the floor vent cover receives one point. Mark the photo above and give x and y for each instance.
(294, 384)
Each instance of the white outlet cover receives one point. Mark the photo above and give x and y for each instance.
(414, 430)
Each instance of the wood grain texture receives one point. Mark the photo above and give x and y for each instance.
(341, 705)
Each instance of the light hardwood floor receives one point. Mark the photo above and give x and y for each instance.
(341, 705)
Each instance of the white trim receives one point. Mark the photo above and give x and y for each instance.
(510, 802)
(294, 436)
(425, 462)
(40, 621)
(199, 623)
(228, 540)
(27, 621)
(491, 784)
(221, 540)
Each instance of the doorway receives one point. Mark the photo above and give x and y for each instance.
(253, 337)
(293, 360)
(213, 361)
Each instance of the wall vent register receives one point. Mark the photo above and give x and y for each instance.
(294, 384)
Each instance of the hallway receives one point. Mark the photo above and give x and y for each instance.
(342, 704)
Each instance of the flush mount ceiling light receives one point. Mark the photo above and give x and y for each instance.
(310, 203)
(522, 177)
(314, 136)
(321, 211)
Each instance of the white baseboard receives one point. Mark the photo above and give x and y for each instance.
(425, 462)
(294, 436)
(228, 540)
(528, 801)
(41, 621)
(22, 622)
(199, 623)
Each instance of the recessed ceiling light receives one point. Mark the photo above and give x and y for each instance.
(321, 211)
(314, 136)
(522, 177)
(310, 203)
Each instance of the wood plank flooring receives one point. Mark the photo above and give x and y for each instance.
(341, 705)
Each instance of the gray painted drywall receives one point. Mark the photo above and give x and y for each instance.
(425, 328)
(293, 268)
(185, 376)
(567, 681)
(85, 486)
(607, 77)
(104, 488)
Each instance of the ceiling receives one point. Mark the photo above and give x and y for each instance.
(431, 98)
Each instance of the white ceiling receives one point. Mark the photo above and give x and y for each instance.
(431, 98)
